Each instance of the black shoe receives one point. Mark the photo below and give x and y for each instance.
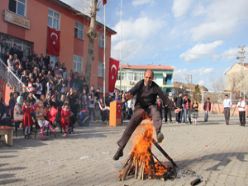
(118, 154)
(160, 137)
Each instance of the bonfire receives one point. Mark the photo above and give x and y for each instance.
(142, 163)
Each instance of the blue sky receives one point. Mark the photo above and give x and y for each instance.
(197, 37)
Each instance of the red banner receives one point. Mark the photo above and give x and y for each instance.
(113, 73)
(53, 41)
(104, 2)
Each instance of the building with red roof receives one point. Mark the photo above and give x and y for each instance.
(128, 75)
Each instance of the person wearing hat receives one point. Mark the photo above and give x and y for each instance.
(241, 107)
(227, 103)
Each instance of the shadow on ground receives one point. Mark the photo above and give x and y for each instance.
(221, 159)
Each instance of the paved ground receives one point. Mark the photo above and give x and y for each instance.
(217, 153)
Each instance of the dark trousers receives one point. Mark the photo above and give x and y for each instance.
(206, 116)
(135, 120)
(167, 113)
(178, 117)
(227, 115)
(242, 118)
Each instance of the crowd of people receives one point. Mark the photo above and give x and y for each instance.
(52, 97)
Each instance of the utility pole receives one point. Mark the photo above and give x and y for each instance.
(91, 35)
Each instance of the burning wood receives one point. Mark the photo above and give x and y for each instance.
(142, 163)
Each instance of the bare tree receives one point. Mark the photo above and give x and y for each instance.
(218, 84)
(91, 35)
(235, 83)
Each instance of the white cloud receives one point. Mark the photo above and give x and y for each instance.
(83, 6)
(230, 53)
(180, 7)
(207, 70)
(126, 48)
(200, 50)
(141, 2)
(133, 35)
(202, 71)
(199, 75)
(179, 74)
(215, 28)
(198, 10)
(201, 82)
(140, 28)
(222, 18)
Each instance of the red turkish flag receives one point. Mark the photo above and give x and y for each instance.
(53, 41)
(113, 73)
(104, 2)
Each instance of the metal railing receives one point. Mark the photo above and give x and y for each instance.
(7, 75)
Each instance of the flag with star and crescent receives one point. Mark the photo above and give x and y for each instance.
(53, 41)
(113, 73)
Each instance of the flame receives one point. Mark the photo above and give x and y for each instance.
(141, 151)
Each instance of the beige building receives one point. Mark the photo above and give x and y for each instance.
(236, 79)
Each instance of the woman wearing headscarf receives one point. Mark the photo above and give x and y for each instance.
(18, 113)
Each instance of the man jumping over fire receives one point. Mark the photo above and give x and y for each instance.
(146, 92)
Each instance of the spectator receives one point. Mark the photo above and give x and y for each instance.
(92, 108)
(179, 106)
(130, 106)
(104, 110)
(3, 109)
(168, 108)
(65, 118)
(186, 109)
(241, 107)
(10, 62)
(27, 118)
(207, 109)
(195, 107)
(227, 106)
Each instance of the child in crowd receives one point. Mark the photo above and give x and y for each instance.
(52, 114)
(42, 122)
(27, 118)
(65, 118)
(195, 107)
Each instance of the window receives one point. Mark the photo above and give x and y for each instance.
(78, 30)
(167, 80)
(100, 40)
(130, 76)
(53, 19)
(138, 76)
(18, 7)
(100, 69)
(77, 63)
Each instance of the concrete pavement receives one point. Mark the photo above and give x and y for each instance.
(213, 151)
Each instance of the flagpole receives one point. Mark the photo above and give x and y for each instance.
(121, 47)
(104, 54)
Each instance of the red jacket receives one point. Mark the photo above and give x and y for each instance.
(52, 114)
(65, 116)
(27, 117)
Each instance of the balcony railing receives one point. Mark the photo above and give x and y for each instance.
(10, 77)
